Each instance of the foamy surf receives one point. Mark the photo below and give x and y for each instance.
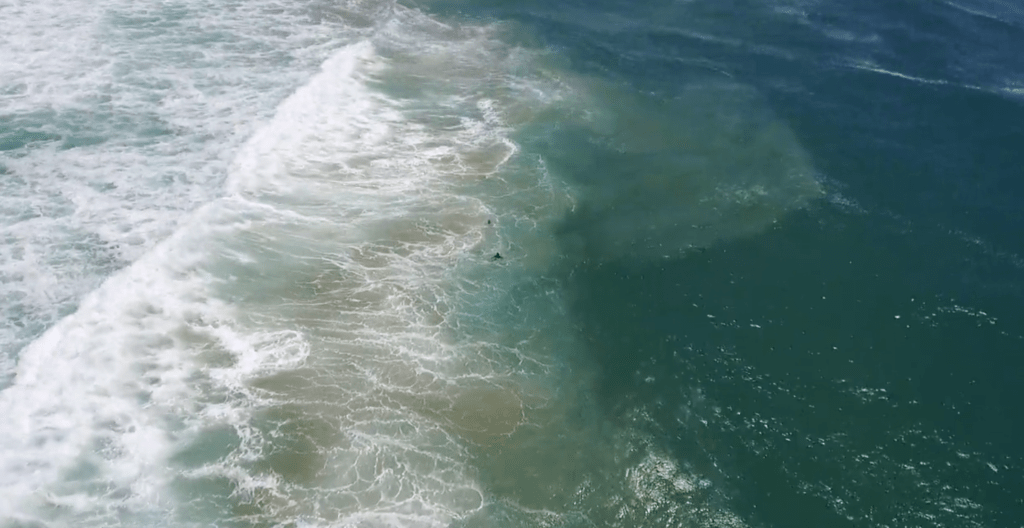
(364, 330)
(117, 119)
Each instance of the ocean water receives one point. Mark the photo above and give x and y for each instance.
(482, 264)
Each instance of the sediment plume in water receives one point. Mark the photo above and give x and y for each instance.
(659, 178)
(331, 343)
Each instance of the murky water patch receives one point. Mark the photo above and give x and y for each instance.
(367, 325)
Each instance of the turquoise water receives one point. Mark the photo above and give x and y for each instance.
(499, 264)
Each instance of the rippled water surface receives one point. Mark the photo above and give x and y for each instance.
(498, 264)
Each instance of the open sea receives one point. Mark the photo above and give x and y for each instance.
(512, 264)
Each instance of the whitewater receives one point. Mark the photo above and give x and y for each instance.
(293, 265)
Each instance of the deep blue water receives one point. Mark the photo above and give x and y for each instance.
(859, 363)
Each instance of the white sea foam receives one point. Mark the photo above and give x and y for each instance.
(96, 399)
(327, 341)
(1004, 11)
(326, 261)
(120, 118)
